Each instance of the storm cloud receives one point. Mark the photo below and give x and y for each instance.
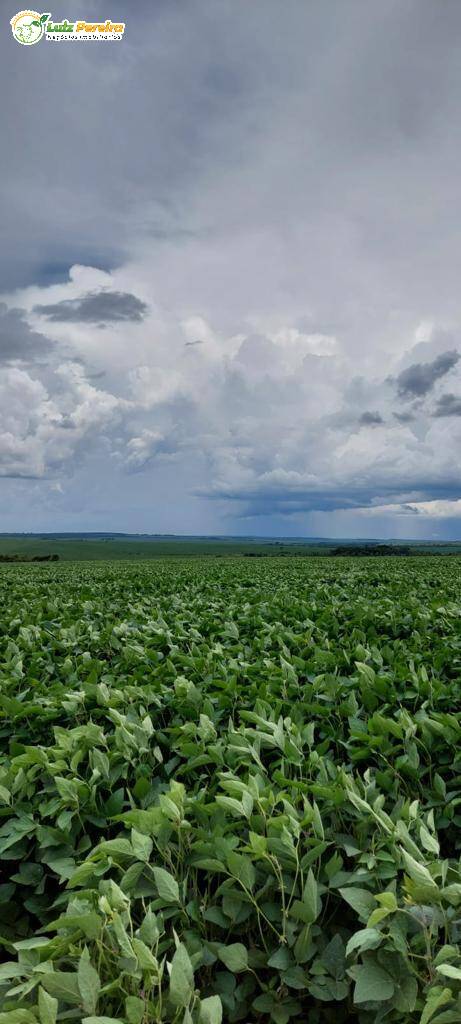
(371, 419)
(18, 342)
(448, 405)
(419, 378)
(95, 308)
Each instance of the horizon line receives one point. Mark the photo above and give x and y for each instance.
(226, 536)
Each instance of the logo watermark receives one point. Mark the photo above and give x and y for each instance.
(29, 27)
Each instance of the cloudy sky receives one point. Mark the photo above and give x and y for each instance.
(229, 274)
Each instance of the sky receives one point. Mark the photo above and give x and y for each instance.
(229, 271)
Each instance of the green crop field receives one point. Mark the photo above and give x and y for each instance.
(129, 547)
(230, 790)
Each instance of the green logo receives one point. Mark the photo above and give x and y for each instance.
(28, 27)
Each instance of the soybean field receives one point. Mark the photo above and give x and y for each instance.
(230, 790)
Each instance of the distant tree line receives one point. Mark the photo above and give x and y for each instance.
(349, 551)
(373, 550)
(29, 558)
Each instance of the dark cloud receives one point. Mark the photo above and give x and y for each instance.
(283, 501)
(371, 419)
(264, 501)
(417, 380)
(17, 340)
(96, 307)
(448, 405)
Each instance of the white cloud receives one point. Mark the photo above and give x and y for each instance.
(151, 385)
(274, 422)
(139, 450)
(437, 509)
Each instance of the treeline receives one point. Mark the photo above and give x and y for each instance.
(29, 558)
(349, 550)
(373, 550)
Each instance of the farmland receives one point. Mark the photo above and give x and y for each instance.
(230, 791)
(97, 547)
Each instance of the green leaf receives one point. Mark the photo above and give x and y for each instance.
(429, 841)
(452, 1016)
(362, 901)
(334, 958)
(311, 899)
(367, 673)
(90, 924)
(18, 1017)
(88, 982)
(366, 938)
(437, 997)
(81, 875)
(34, 943)
(122, 937)
(167, 886)
(47, 1007)
(452, 893)
(242, 868)
(372, 984)
(118, 899)
(378, 915)
(265, 1003)
(149, 930)
(295, 977)
(210, 1010)
(418, 872)
(406, 994)
(231, 804)
(103, 1020)
(449, 971)
(135, 1009)
(142, 846)
(303, 946)
(11, 970)
(235, 957)
(145, 958)
(281, 959)
(387, 900)
(181, 978)
(63, 985)
(446, 953)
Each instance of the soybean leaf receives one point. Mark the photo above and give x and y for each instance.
(181, 978)
(47, 1007)
(372, 984)
(235, 957)
(167, 886)
(88, 982)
